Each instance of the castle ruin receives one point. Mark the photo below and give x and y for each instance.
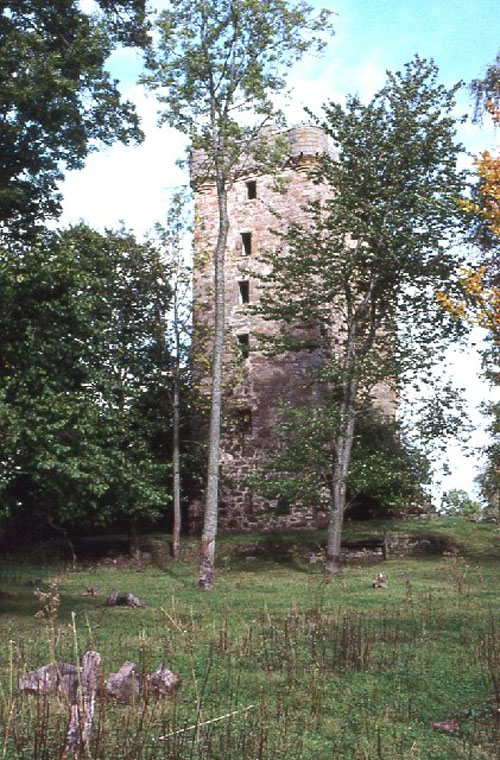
(256, 384)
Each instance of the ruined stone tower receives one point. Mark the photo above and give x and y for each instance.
(255, 384)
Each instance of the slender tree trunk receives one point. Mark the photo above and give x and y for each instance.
(133, 537)
(176, 530)
(207, 548)
(343, 449)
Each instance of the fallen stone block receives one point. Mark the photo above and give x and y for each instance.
(163, 681)
(58, 678)
(116, 597)
(127, 684)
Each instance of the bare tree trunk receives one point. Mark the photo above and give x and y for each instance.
(343, 451)
(176, 530)
(207, 548)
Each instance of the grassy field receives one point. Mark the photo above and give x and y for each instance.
(276, 662)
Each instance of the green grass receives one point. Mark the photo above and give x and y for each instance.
(327, 670)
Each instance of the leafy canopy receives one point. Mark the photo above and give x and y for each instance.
(56, 99)
(82, 375)
(458, 503)
(369, 259)
(219, 63)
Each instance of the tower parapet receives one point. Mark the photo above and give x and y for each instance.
(307, 140)
(302, 145)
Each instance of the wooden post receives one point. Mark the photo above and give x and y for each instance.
(82, 713)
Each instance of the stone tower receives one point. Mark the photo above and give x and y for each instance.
(255, 384)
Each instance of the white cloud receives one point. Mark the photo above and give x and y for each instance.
(129, 183)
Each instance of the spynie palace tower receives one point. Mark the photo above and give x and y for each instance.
(256, 384)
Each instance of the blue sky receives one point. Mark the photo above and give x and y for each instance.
(461, 35)
(371, 36)
(134, 184)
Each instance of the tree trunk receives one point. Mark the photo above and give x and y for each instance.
(207, 547)
(133, 538)
(343, 449)
(176, 531)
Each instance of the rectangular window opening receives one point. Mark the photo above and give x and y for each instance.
(251, 190)
(244, 291)
(243, 420)
(244, 345)
(246, 243)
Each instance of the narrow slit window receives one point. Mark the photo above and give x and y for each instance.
(244, 345)
(251, 190)
(244, 291)
(243, 420)
(246, 243)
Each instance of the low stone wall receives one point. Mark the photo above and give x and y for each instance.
(353, 550)
(415, 545)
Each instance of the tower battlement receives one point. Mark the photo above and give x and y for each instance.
(303, 144)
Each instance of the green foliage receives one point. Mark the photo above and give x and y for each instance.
(218, 61)
(81, 364)
(487, 89)
(58, 101)
(355, 280)
(458, 503)
(370, 258)
(489, 478)
(386, 473)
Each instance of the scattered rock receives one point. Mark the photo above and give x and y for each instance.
(91, 591)
(163, 681)
(317, 557)
(125, 684)
(116, 597)
(446, 726)
(59, 678)
(380, 581)
(128, 684)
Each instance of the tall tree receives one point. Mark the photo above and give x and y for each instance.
(217, 67)
(177, 335)
(479, 303)
(57, 101)
(361, 273)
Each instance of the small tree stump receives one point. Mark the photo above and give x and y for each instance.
(116, 597)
